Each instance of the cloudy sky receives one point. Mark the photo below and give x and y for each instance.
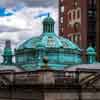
(18, 19)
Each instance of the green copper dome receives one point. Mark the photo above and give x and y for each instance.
(48, 25)
(30, 43)
(48, 20)
(60, 51)
(48, 41)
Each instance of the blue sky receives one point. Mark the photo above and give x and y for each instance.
(18, 22)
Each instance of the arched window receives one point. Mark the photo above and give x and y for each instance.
(74, 14)
(78, 13)
(70, 16)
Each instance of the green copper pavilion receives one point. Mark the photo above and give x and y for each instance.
(60, 52)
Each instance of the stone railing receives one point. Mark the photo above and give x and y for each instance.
(47, 77)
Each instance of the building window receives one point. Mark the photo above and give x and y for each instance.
(61, 20)
(62, 9)
(90, 13)
(76, 26)
(62, 29)
(51, 42)
(74, 14)
(76, 38)
(90, 2)
(78, 14)
(75, 3)
(94, 1)
(70, 16)
(61, 0)
(72, 38)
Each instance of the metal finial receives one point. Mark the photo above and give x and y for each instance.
(45, 60)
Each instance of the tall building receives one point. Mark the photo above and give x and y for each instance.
(77, 21)
(98, 31)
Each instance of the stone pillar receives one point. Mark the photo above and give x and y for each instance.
(46, 77)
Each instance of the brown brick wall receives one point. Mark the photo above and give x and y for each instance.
(85, 38)
(70, 31)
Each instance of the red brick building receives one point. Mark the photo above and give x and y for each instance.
(77, 21)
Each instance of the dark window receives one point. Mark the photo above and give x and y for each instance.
(78, 14)
(74, 14)
(70, 16)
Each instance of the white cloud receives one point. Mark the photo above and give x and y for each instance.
(12, 36)
(24, 21)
